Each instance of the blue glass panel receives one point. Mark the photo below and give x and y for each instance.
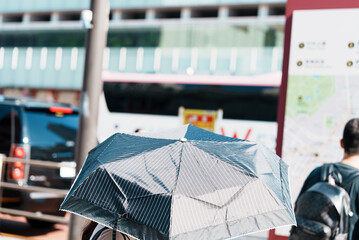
(131, 58)
(148, 60)
(166, 60)
(218, 61)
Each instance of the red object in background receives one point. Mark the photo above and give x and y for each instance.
(19, 165)
(248, 133)
(290, 7)
(61, 110)
(222, 131)
(199, 118)
(19, 152)
(16, 169)
(18, 174)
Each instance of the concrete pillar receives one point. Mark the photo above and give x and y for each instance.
(185, 13)
(26, 18)
(223, 12)
(55, 17)
(263, 11)
(150, 14)
(116, 15)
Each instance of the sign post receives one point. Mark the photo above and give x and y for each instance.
(96, 21)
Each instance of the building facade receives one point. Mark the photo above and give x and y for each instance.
(42, 41)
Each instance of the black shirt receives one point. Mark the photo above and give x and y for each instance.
(347, 173)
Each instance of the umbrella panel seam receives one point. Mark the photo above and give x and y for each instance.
(117, 135)
(226, 160)
(251, 216)
(176, 182)
(229, 201)
(105, 148)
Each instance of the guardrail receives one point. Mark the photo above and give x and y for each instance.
(25, 187)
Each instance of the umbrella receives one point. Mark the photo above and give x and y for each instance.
(186, 183)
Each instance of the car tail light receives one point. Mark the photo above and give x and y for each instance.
(19, 152)
(61, 110)
(16, 169)
(17, 174)
(19, 165)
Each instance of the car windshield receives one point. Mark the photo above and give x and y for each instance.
(46, 129)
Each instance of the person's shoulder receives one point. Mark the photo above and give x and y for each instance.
(311, 179)
(316, 172)
(346, 170)
(355, 183)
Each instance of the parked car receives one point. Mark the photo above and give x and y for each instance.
(36, 130)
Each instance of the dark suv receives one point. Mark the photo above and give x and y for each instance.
(36, 130)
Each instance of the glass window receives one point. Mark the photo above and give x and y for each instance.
(51, 133)
(237, 102)
(43, 39)
(166, 36)
(10, 128)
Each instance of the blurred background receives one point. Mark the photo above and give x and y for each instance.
(42, 41)
(42, 56)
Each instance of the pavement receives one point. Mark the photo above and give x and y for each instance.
(257, 236)
(5, 237)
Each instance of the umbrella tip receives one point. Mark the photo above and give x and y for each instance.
(183, 139)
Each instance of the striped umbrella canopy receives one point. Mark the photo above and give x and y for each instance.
(185, 183)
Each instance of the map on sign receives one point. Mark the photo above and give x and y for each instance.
(322, 91)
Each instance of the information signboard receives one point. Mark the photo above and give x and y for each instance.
(319, 82)
(322, 90)
(205, 119)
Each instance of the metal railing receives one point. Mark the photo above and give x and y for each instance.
(25, 187)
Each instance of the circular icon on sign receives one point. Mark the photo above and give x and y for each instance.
(351, 45)
(301, 45)
(349, 63)
(299, 63)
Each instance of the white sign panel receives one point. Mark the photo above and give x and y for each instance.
(323, 87)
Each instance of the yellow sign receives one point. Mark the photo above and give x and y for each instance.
(204, 119)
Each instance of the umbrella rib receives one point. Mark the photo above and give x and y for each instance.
(105, 148)
(125, 204)
(179, 169)
(210, 180)
(203, 171)
(227, 224)
(226, 160)
(229, 201)
(251, 172)
(175, 186)
(156, 179)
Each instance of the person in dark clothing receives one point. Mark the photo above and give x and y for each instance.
(347, 167)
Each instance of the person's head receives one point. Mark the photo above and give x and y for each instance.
(350, 141)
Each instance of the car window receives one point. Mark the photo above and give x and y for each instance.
(47, 129)
(10, 128)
